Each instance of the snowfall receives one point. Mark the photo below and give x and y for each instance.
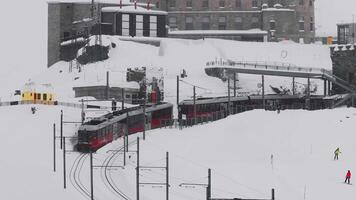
(249, 153)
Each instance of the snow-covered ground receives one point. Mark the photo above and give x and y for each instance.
(237, 149)
(175, 55)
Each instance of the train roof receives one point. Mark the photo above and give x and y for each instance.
(239, 98)
(119, 116)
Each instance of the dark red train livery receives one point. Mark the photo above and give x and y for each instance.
(100, 131)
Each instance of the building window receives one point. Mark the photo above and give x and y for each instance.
(66, 35)
(222, 3)
(238, 23)
(222, 23)
(272, 24)
(311, 26)
(189, 23)
(205, 4)
(255, 22)
(311, 3)
(238, 3)
(172, 3)
(157, 4)
(206, 23)
(301, 25)
(254, 4)
(301, 2)
(172, 22)
(189, 3)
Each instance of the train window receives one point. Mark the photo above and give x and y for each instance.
(38, 96)
(45, 97)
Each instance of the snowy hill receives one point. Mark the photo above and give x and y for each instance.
(174, 55)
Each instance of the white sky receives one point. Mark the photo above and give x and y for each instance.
(24, 30)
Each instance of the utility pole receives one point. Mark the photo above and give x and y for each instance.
(263, 92)
(54, 147)
(167, 176)
(122, 98)
(208, 196)
(234, 84)
(293, 85)
(144, 106)
(178, 93)
(308, 94)
(64, 163)
(91, 176)
(228, 93)
(107, 85)
(138, 170)
(83, 113)
(273, 194)
(195, 107)
(353, 29)
(127, 132)
(61, 130)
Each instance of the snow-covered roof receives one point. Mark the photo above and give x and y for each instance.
(278, 9)
(132, 9)
(219, 32)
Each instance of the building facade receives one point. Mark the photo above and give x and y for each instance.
(346, 33)
(281, 19)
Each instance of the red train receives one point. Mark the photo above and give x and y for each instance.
(100, 131)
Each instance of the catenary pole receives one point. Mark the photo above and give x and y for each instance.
(228, 93)
(91, 177)
(61, 129)
(138, 170)
(54, 147)
(194, 104)
(167, 176)
(64, 164)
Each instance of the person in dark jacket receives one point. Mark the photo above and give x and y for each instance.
(348, 177)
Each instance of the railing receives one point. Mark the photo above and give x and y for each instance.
(41, 102)
(266, 66)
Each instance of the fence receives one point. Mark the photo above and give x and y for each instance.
(66, 104)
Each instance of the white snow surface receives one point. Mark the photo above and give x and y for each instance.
(174, 55)
(237, 149)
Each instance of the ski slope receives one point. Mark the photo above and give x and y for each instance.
(237, 149)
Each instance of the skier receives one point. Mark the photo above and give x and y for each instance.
(348, 176)
(336, 154)
(278, 108)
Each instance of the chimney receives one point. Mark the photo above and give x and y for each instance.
(135, 4)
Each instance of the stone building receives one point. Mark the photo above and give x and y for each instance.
(346, 33)
(74, 20)
(280, 19)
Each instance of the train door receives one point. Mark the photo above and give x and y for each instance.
(148, 120)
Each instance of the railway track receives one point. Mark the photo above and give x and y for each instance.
(106, 174)
(74, 175)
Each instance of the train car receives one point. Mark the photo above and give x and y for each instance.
(98, 132)
(207, 107)
(38, 93)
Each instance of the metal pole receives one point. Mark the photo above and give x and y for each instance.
(263, 92)
(325, 89)
(293, 89)
(234, 84)
(54, 147)
(329, 88)
(167, 175)
(127, 132)
(138, 170)
(273, 197)
(228, 94)
(91, 177)
(107, 85)
(83, 114)
(209, 184)
(144, 112)
(195, 107)
(61, 130)
(308, 94)
(178, 93)
(64, 163)
(122, 98)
